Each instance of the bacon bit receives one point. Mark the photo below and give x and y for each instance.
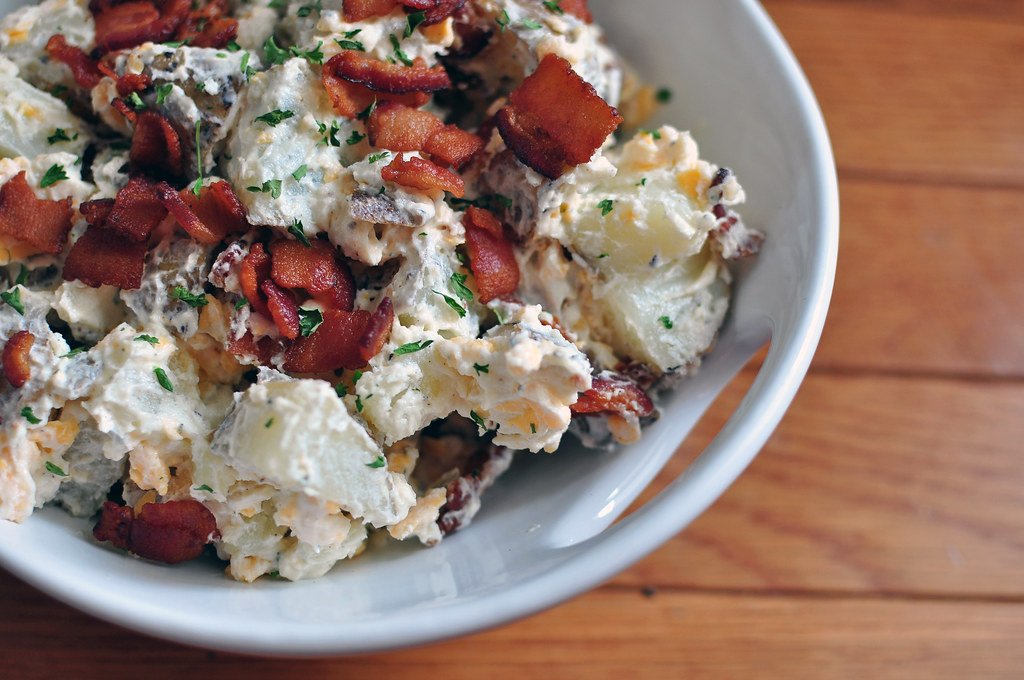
(121, 106)
(491, 256)
(171, 532)
(17, 368)
(436, 11)
(255, 269)
(454, 146)
(264, 349)
(155, 144)
(137, 210)
(611, 393)
(555, 119)
(101, 257)
(132, 82)
(357, 10)
(577, 8)
(377, 330)
(351, 99)
(41, 223)
(211, 217)
(96, 212)
(128, 24)
(283, 309)
(401, 128)
(381, 76)
(208, 27)
(420, 173)
(84, 69)
(315, 269)
(334, 345)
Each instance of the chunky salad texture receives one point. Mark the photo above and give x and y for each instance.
(277, 276)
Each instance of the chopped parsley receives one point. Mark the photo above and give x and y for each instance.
(482, 368)
(55, 469)
(313, 56)
(305, 10)
(275, 55)
(270, 421)
(653, 133)
(359, 402)
(232, 46)
(201, 87)
(22, 276)
(13, 298)
(147, 338)
(161, 377)
(477, 419)
(665, 321)
(454, 304)
(241, 303)
(54, 174)
(244, 67)
(271, 186)
(606, 206)
(299, 173)
(459, 284)
(642, 182)
(355, 138)
(410, 347)
(367, 112)
(27, 414)
(330, 133)
(191, 299)
(135, 101)
(378, 156)
(273, 118)
(60, 135)
(379, 463)
(341, 389)
(399, 54)
(309, 321)
(663, 95)
(277, 4)
(204, 487)
(198, 186)
(603, 255)
(553, 5)
(346, 44)
(499, 316)
(299, 233)
(531, 24)
(175, 43)
(162, 91)
(77, 350)
(533, 428)
(412, 22)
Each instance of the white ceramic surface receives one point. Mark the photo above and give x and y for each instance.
(545, 533)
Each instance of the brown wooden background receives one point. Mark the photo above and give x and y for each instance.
(880, 534)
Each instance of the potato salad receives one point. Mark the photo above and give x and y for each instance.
(277, 276)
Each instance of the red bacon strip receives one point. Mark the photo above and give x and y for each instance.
(555, 120)
(357, 10)
(208, 218)
(378, 328)
(491, 256)
(84, 69)
(137, 210)
(208, 26)
(41, 223)
(420, 173)
(315, 269)
(454, 146)
(614, 394)
(127, 24)
(155, 144)
(171, 532)
(283, 308)
(264, 349)
(381, 76)
(122, 107)
(334, 345)
(442, 10)
(255, 270)
(17, 368)
(132, 82)
(577, 8)
(101, 257)
(398, 127)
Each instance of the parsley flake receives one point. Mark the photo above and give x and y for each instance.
(13, 298)
(531, 24)
(232, 46)
(198, 186)
(305, 10)
(299, 173)
(350, 45)
(54, 174)
(553, 5)
(412, 22)
(653, 133)
(273, 118)
(603, 255)
(341, 389)
(331, 136)
(454, 304)
(309, 320)
(244, 67)
(482, 368)
(55, 469)
(271, 186)
(378, 156)
(75, 351)
(663, 95)
(477, 419)
(459, 284)
(161, 377)
(270, 421)
(503, 20)
(367, 112)
(191, 299)
(533, 428)
(313, 56)
(498, 315)
(606, 206)
(355, 138)
(60, 135)
(665, 321)
(204, 487)
(275, 55)
(135, 101)
(147, 338)
(277, 4)
(162, 91)
(241, 303)
(299, 233)
(176, 43)
(27, 414)
(399, 54)
(410, 347)
(379, 463)
(22, 276)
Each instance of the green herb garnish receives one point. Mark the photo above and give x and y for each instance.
(273, 118)
(412, 22)
(27, 414)
(54, 469)
(162, 91)
(606, 206)
(379, 463)
(503, 20)
(309, 321)
(161, 377)
(482, 368)
(275, 55)
(663, 95)
(350, 45)
(147, 338)
(198, 186)
(410, 347)
(459, 284)
(191, 299)
(454, 304)
(531, 24)
(477, 419)
(299, 233)
(299, 173)
(13, 298)
(54, 174)
(60, 135)
(553, 6)
(355, 138)
(378, 156)
(665, 321)
(271, 186)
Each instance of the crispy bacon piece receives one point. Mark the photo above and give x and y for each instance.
(435, 11)
(315, 269)
(122, 107)
(381, 76)
(264, 349)
(132, 82)
(357, 10)
(420, 173)
(398, 127)
(171, 532)
(255, 270)
(103, 257)
(351, 99)
(84, 69)
(17, 368)
(454, 146)
(555, 120)
(577, 8)
(211, 216)
(95, 212)
(283, 308)
(137, 210)
(334, 345)
(610, 393)
(127, 24)
(208, 26)
(377, 329)
(491, 256)
(41, 223)
(155, 144)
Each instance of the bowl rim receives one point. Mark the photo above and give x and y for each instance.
(595, 560)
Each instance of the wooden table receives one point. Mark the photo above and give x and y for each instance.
(880, 534)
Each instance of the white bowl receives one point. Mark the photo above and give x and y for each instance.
(545, 533)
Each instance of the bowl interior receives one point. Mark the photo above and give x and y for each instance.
(543, 534)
